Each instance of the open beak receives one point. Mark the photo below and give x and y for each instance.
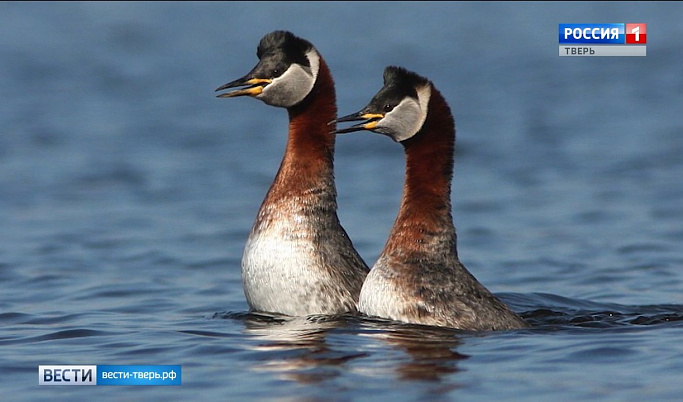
(254, 87)
(369, 123)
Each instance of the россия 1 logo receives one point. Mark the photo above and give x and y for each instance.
(618, 39)
(636, 34)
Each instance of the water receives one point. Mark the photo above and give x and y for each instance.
(127, 192)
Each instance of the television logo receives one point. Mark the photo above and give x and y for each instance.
(636, 34)
(109, 375)
(67, 375)
(618, 39)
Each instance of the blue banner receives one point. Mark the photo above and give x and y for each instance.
(594, 34)
(139, 375)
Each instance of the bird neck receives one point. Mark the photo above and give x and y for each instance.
(309, 154)
(424, 222)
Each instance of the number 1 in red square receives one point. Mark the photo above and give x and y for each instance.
(636, 34)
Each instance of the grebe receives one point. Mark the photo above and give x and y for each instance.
(418, 277)
(298, 259)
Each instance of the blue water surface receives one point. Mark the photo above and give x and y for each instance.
(127, 191)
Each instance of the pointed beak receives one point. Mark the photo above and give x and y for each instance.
(254, 87)
(369, 123)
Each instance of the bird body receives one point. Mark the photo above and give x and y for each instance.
(418, 278)
(298, 259)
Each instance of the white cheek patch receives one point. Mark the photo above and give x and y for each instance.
(402, 122)
(407, 118)
(292, 87)
(314, 61)
(423, 95)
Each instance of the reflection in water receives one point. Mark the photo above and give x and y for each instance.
(298, 346)
(301, 349)
(430, 351)
(317, 349)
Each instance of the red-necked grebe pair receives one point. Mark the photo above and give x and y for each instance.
(299, 260)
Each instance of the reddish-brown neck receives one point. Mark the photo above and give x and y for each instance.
(309, 154)
(425, 212)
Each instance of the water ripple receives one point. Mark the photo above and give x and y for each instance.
(65, 334)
